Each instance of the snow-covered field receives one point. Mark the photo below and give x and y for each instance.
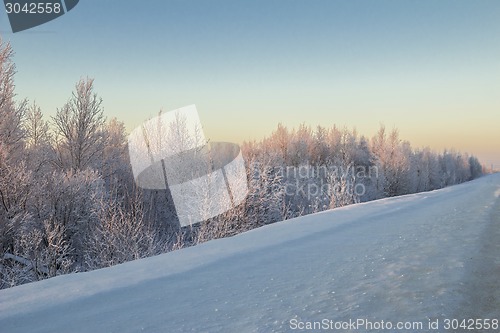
(416, 258)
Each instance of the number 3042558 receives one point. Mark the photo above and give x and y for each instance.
(33, 8)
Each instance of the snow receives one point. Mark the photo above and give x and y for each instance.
(417, 258)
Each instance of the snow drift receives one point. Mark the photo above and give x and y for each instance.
(416, 258)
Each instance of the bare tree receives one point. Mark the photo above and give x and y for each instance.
(14, 176)
(120, 234)
(11, 115)
(79, 128)
(37, 129)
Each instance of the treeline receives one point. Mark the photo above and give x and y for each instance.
(324, 168)
(69, 203)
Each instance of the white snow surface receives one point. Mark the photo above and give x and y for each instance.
(419, 257)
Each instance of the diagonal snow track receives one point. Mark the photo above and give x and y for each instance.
(421, 257)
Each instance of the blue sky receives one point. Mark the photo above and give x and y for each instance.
(429, 68)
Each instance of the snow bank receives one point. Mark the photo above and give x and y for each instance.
(398, 259)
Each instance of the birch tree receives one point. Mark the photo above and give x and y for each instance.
(79, 129)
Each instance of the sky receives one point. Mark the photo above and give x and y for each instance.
(429, 68)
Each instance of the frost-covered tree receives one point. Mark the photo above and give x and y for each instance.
(319, 149)
(277, 145)
(114, 165)
(392, 158)
(73, 199)
(300, 146)
(342, 188)
(15, 178)
(476, 169)
(11, 113)
(36, 128)
(38, 138)
(120, 233)
(79, 129)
